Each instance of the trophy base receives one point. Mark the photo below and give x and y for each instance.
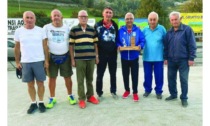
(129, 48)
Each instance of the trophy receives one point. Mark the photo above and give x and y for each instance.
(132, 47)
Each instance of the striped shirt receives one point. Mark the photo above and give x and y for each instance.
(83, 42)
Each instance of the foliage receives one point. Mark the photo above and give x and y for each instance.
(74, 14)
(147, 6)
(191, 6)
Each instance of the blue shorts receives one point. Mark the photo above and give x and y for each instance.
(31, 71)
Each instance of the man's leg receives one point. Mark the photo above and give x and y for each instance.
(125, 73)
(148, 68)
(101, 67)
(89, 78)
(32, 91)
(28, 77)
(68, 83)
(135, 75)
(32, 94)
(66, 72)
(52, 73)
(112, 64)
(52, 86)
(172, 76)
(40, 76)
(158, 72)
(41, 89)
(80, 71)
(183, 74)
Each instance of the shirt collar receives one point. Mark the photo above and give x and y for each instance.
(181, 28)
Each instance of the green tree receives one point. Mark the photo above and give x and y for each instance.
(192, 6)
(147, 6)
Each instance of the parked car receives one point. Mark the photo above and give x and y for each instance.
(10, 49)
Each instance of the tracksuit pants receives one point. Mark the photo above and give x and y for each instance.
(133, 67)
(111, 60)
(157, 67)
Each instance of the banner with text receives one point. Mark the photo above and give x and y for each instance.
(14, 23)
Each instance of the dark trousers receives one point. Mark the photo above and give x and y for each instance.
(133, 66)
(111, 60)
(183, 68)
(157, 67)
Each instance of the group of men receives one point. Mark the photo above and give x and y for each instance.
(55, 47)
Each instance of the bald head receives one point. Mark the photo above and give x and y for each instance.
(56, 17)
(29, 19)
(56, 11)
(28, 13)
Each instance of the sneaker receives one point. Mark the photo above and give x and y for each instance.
(184, 103)
(71, 99)
(159, 96)
(51, 103)
(135, 97)
(32, 108)
(100, 97)
(170, 98)
(126, 94)
(114, 95)
(93, 100)
(42, 107)
(82, 104)
(146, 94)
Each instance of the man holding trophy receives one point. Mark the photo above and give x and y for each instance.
(130, 42)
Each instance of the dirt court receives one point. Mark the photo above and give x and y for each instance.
(109, 112)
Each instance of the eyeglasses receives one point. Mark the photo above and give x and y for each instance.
(83, 17)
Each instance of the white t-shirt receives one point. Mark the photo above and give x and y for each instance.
(31, 44)
(58, 38)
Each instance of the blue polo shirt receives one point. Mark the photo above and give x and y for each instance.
(154, 43)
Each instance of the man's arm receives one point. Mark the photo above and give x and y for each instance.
(96, 51)
(191, 46)
(46, 53)
(17, 55)
(71, 50)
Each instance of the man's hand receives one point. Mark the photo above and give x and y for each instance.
(190, 63)
(73, 63)
(19, 66)
(46, 64)
(165, 62)
(139, 47)
(97, 60)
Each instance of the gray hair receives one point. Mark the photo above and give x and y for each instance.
(153, 13)
(82, 11)
(57, 11)
(129, 13)
(175, 13)
(24, 14)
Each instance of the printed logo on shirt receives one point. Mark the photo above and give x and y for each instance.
(57, 36)
(133, 33)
